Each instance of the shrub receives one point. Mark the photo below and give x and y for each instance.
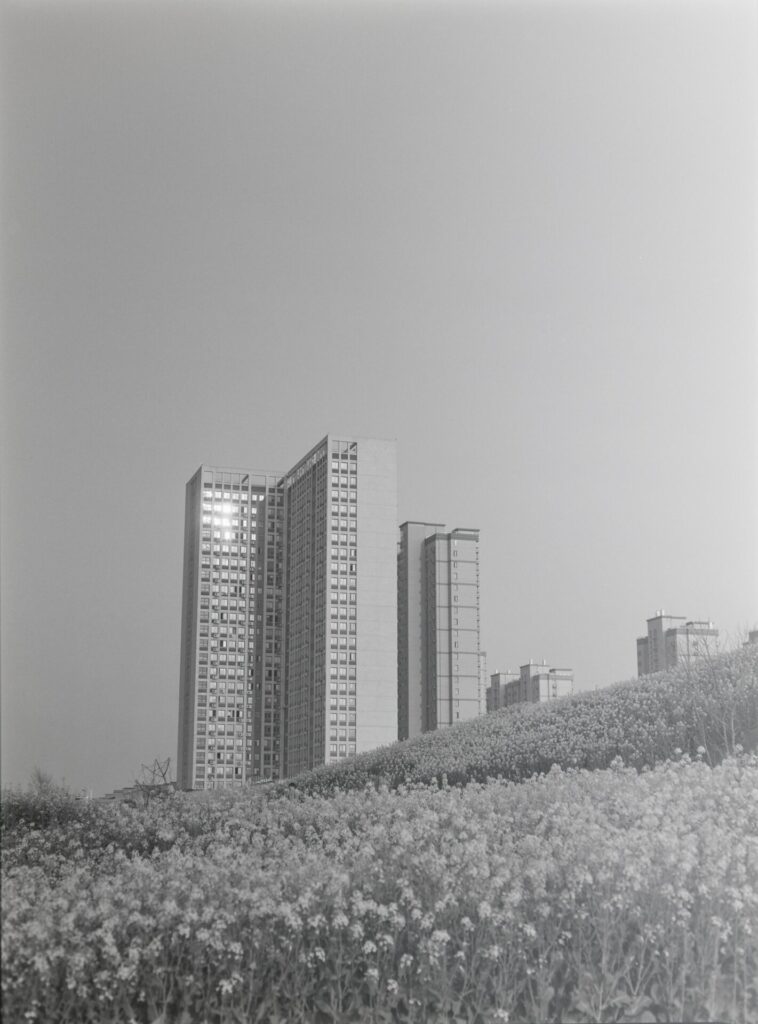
(713, 705)
(609, 895)
(604, 889)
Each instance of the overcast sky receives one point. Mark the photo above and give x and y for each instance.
(520, 238)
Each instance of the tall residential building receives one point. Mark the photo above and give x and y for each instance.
(438, 665)
(482, 692)
(671, 639)
(341, 610)
(230, 700)
(534, 683)
(288, 651)
(412, 654)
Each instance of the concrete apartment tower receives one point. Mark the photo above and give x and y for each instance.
(341, 610)
(439, 657)
(230, 662)
(671, 640)
(289, 644)
(497, 691)
(534, 683)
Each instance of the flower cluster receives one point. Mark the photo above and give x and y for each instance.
(609, 895)
(711, 704)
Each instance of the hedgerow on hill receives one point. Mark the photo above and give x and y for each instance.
(711, 704)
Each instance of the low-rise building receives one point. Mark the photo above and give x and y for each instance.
(672, 640)
(534, 683)
(497, 688)
(140, 794)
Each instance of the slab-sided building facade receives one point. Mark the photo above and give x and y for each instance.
(289, 639)
(439, 657)
(672, 640)
(533, 683)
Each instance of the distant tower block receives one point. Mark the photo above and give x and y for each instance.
(672, 640)
(439, 656)
(535, 684)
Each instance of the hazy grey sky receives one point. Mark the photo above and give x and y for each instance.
(520, 238)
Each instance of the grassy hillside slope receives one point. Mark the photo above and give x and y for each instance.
(624, 893)
(713, 705)
(575, 896)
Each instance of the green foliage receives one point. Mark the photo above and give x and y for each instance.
(713, 704)
(619, 887)
(610, 895)
(43, 805)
